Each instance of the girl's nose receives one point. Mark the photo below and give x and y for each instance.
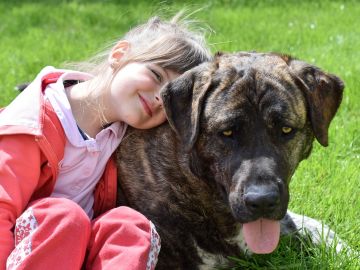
(158, 100)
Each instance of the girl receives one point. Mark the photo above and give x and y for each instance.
(57, 177)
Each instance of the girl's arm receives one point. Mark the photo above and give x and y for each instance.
(20, 162)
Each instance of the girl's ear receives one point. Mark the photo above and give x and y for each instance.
(118, 51)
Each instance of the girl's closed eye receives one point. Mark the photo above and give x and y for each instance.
(156, 74)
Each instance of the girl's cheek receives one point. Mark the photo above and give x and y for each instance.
(160, 118)
(150, 85)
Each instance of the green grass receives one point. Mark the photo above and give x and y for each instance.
(326, 33)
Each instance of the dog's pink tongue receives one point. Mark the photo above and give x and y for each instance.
(262, 235)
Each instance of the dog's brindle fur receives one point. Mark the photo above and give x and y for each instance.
(225, 150)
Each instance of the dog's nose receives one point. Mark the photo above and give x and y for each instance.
(262, 199)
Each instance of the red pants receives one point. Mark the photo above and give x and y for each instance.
(56, 234)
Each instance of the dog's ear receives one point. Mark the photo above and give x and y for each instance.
(323, 94)
(183, 101)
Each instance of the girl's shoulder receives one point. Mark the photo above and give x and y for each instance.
(24, 114)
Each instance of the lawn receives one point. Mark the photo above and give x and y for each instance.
(326, 186)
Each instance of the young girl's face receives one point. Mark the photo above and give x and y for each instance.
(135, 94)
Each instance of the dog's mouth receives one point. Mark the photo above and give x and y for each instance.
(259, 208)
(261, 232)
(262, 235)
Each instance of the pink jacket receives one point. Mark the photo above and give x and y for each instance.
(32, 143)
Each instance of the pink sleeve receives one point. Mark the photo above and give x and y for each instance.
(19, 175)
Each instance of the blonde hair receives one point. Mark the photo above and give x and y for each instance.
(169, 44)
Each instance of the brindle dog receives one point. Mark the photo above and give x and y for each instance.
(238, 128)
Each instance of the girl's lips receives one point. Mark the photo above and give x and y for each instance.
(145, 105)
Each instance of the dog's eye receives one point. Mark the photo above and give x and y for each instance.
(227, 133)
(286, 130)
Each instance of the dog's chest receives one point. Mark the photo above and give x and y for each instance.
(211, 260)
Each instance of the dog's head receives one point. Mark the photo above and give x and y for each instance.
(250, 118)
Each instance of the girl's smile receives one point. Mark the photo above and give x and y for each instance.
(145, 105)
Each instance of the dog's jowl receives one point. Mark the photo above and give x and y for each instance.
(220, 168)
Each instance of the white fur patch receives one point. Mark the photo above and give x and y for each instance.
(210, 260)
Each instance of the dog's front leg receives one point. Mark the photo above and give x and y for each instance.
(311, 229)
